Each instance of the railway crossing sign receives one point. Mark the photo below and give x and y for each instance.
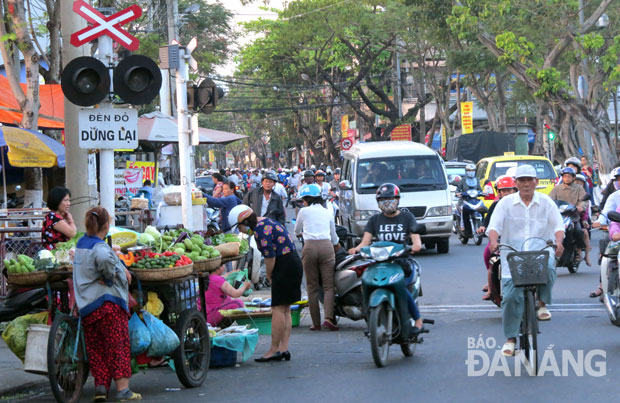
(102, 25)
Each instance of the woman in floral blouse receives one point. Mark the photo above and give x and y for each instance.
(284, 271)
(58, 225)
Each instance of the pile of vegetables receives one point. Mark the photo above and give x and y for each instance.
(45, 261)
(151, 260)
(195, 245)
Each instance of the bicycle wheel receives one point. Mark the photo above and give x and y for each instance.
(191, 359)
(529, 334)
(66, 366)
(379, 339)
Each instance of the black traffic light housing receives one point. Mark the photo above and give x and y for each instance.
(137, 80)
(85, 81)
(203, 98)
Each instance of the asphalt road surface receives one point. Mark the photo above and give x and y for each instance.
(582, 361)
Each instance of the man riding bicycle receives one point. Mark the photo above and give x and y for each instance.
(518, 217)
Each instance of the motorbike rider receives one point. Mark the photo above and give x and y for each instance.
(504, 185)
(264, 201)
(516, 218)
(470, 183)
(319, 177)
(572, 193)
(393, 225)
(308, 178)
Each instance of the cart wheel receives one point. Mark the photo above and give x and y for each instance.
(191, 359)
(67, 372)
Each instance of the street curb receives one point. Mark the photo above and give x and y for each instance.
(22, 389)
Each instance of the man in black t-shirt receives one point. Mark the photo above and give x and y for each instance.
(393, 225)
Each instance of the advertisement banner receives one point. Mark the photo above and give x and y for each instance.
(344, 128)
(467, 117)
(211, 156)
(149, 171)
(401, 133)
(127, 180)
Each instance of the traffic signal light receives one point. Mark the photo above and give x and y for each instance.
(550, 132)
(203, 98)
(85, 81)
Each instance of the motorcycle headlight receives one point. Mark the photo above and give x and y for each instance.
(381, 253)
(364, 214)
(439, 211)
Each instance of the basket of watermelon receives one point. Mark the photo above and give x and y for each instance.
(205, 257)
(161, 266)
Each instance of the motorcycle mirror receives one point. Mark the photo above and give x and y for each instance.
(345, 185)
(614, 216)
(18, 188)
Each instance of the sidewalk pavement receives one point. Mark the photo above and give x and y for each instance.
(13, 378)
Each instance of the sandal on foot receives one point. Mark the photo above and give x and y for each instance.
(508, 349)
(331, 326)
(543, 313)
(128, 396)
(101, 394)
(596, 293)
(487, 297)
(315, 327)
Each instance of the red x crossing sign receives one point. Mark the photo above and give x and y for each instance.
(102, 25)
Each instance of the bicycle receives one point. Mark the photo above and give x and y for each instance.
(529, 270)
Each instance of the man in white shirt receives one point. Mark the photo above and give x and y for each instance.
(517, 218)
(234, 177)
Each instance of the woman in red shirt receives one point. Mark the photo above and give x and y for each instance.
(58, 225)
(221, 296)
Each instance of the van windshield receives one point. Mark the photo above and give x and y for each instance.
(411, 174)
(543, 168)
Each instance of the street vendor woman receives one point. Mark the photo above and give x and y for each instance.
(58, 225)
(222, 296)
(284, 271)
(101, 284)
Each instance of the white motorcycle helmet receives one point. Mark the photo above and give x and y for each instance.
(470, 170)
(238, 214)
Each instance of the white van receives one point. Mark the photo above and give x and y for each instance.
(419, 173)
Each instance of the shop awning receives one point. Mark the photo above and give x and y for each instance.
(51, 113)
(160, 128)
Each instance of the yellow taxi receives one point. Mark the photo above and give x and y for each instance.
(488, 169)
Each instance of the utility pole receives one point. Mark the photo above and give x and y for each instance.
(582, 85)
(76, 168)
(105, 53)
(182, 77)
(172, 12)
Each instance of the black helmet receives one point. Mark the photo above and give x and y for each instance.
(388, 190)
(270, 175)
(320, 172)
(309, 172)
(337, 171)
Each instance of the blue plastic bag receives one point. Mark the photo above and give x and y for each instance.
(163, 339)
(139, 335)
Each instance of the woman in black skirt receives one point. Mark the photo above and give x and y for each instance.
(284, 271)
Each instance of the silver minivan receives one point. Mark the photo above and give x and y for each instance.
(419, 173)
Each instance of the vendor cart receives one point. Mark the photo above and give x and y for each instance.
(67, 361)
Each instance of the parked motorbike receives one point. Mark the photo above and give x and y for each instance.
(470, 203)
(385, 288)
(19, 302)
(610, 280)
(570, 258)
(212, 221)
(347, 280)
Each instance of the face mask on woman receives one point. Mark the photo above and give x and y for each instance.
(388, 206)
(470, 174)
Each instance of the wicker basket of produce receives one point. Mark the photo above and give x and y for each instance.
(167, 273)
(33, 278)
(207, 265)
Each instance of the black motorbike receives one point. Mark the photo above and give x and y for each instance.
(571, 258)
(21, 301)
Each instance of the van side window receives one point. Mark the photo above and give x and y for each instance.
(346, 170)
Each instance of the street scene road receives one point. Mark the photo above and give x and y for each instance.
(337, 366)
